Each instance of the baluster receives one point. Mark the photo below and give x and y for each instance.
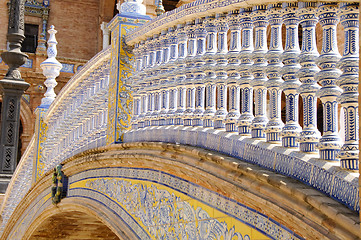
(164, 81)
(190, 88)
(181, 97)
(309, 136)
(292, 129)
(275, 124)
(258, 83)
(199, 74)
(150, 107)
(330, 142)
(173, 40)
(245, 120)
(211, 49)
(233, 73)
(222, 49)
(349, 81)
(143, 105)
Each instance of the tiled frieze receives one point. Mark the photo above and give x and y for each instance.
(157, 205)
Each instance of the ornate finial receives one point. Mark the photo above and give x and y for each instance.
(132, 7)
(160, 9)
(51, 69)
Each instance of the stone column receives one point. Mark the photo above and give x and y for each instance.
(245, 120)
(292, 129)
(233, 72)
(349, 81)
(106, 34)
(275, 124)
(330, 142)
(310, 135)
(211, 49)
(259, 82)
(221, 73)
(12, 87)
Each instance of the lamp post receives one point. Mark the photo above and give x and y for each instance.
(12, 87)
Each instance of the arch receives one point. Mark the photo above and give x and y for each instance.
(202, 179)
(84, 212)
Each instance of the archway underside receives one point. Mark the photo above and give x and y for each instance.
(149, 190)
(72, 225)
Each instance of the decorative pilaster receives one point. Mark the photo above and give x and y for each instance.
(259, 82)
(330, 142)
(292, 129)
(221, 73)
(310, 135)
(245, 120)
(132, 14)
(233, 73)
(211, 50)
(199, 74)
(190, 88)
(51, 69)
(349, 81)
(275, 124)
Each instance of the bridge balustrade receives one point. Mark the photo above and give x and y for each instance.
(209, 75)
(190, 74)
(76, 121)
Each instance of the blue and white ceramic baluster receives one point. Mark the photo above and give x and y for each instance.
(233, 72)
(155, 79)
(136, 106)
(260, 120)
(180, 76)
(275, 124)
(190, 88)
(211, 49)
(292, 129)
(330, 142)
(221, 73)
(164, 81)
(245, 120)
(143, 105)
(310, 135)
(348, 81)
(150, 95)
(199, 74)
(173, 57)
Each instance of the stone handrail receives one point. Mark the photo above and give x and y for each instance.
(86, 94)
(194, 85)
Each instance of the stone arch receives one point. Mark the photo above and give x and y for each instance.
(77, 218)
(220, 188)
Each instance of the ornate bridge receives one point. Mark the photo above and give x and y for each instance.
(191, 126)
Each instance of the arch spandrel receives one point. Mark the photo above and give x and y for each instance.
(112, 182)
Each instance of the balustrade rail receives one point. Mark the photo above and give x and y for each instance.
(209, 75)
(190, 75)
(76, 121)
